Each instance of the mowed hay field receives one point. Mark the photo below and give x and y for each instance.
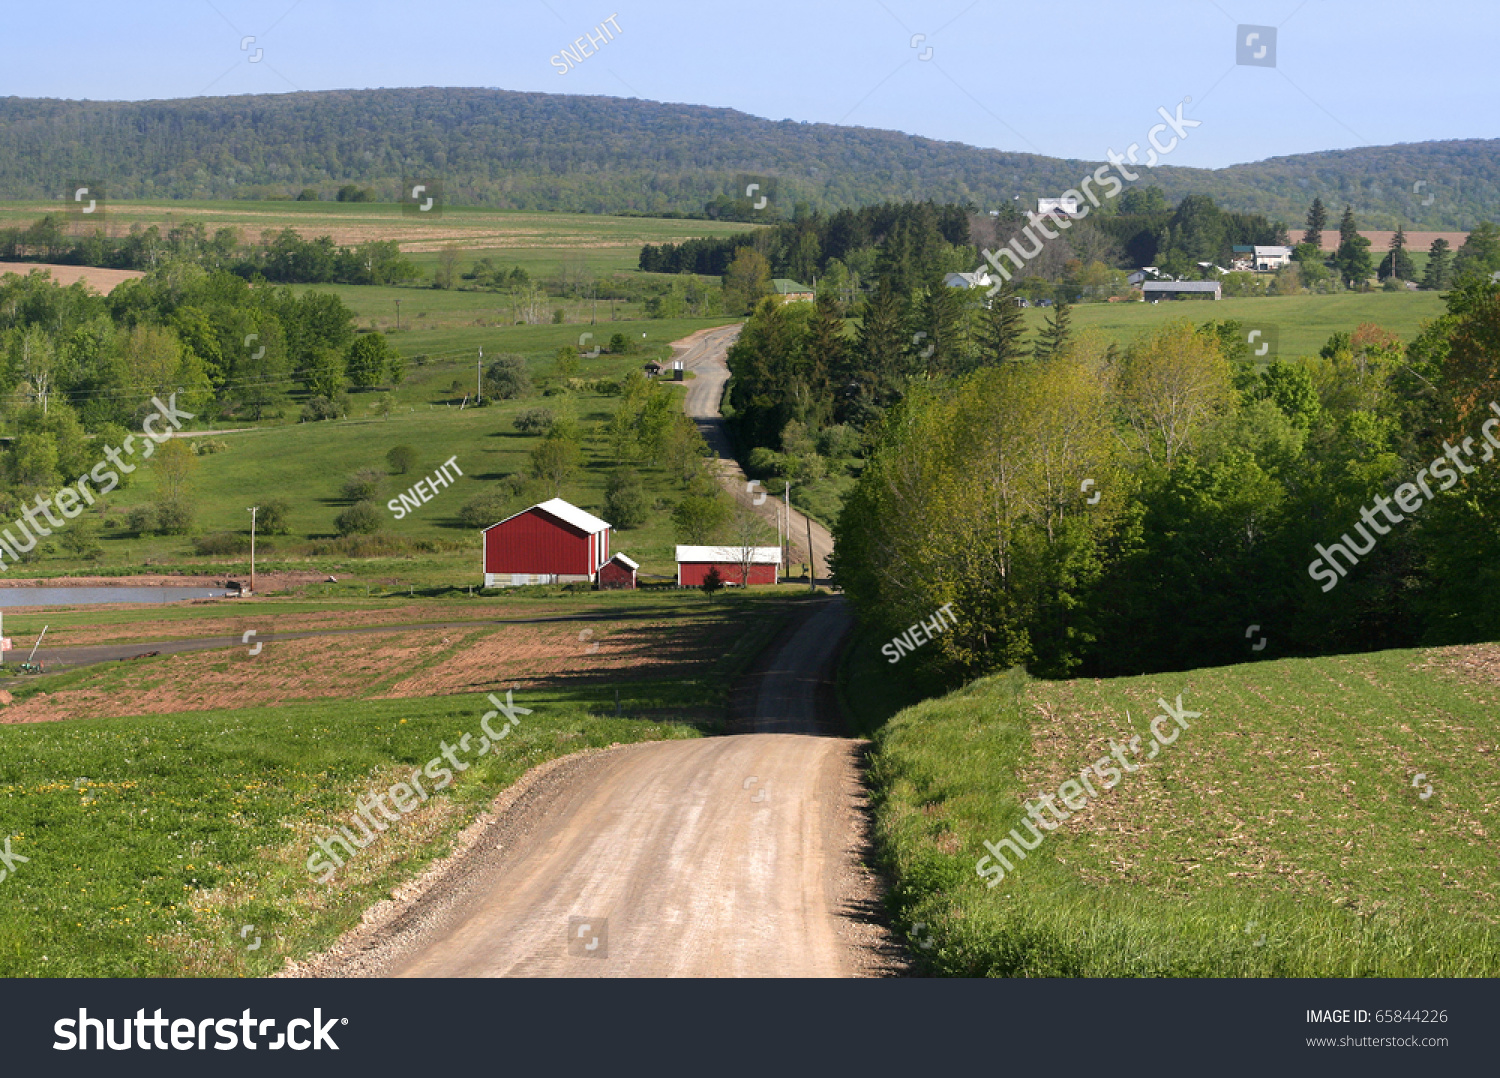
(1331, 817)
(1303, 323)
(536, 241)
(152, 839)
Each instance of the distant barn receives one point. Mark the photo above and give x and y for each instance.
(694, 563)
(617, 573)
(550, 543)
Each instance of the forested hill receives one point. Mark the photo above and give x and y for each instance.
(601, 154)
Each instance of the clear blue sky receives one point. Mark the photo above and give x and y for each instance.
(1070, 80)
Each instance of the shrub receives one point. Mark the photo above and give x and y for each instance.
(402, 459)
(535, 421)
(839, 441)
(558, 316)
(82, 540)
(141, 519)
(712, 582)
(208, 446)
(506, 378)
(625, 499)
(221, 544)
(363, 485)
(174, 516)
(762, 463)
(273, 518)
(361, 518)
(619, 344)
(485, 509)
(319, 408)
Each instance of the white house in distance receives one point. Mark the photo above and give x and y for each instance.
(1067, 206)
(980, 278)
(1271, 259)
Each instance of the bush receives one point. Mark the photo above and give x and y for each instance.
(485, 509)
(506, 378)
(402, 459)
(208, 446)
(839, 441)
(221, 544)
(363, 485)
(82, 540)
(535, 421)
(619, 344)
(319, 408)
(625, 499)
(174, 516)
(141, 520)
(273, 518)
(558, 316)
(361, 518)
(763, 463)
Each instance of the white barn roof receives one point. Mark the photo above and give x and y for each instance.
(564, 511)
(759, 555)
(623, 560)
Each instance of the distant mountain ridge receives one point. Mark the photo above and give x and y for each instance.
(541, 151)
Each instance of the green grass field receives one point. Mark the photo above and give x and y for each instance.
(152, 840)
(1304, 323)
(1284, 833)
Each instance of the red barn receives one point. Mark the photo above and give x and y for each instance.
(550, 543)
(618, 572)
(694, 562)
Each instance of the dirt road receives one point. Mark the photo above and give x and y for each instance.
(736, 856)
(704, 354)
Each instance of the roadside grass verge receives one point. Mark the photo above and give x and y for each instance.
(1284, 834)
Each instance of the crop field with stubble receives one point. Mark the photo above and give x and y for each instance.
(1330, 817)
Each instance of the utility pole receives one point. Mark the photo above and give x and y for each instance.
(479, 378)
(812, 563)
(253, 511)
(786, 556)
(398, 314)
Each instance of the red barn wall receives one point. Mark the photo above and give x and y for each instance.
(535, 542)
(691, 573)
(614, 575)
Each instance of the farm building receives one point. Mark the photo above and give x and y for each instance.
(550, 543)
(617, 574)
(789, 291)
(1155, 290)
(694, 562)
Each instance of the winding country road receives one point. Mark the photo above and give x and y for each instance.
(703, 353)
(734, 856)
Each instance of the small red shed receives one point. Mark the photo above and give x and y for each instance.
(617, 573)
(550, 543)
(694, 562)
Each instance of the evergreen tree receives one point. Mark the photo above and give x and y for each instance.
(1439, 266)
(938, 345)
(1002, 328)
(1353, 257)
(1054, 337)
(825, 359)
(1317, 220)
(1397, 263)
(875, 377)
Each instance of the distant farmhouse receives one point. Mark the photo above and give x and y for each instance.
(789, 291)
(978, 279)
(1066, 206)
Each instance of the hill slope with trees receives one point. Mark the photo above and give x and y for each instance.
(539, 151)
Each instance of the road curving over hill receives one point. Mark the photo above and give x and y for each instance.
(704, 353)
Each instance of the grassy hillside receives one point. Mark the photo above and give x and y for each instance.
(537, 151)
(1320, 818)
(1304, 322)
(154, 838)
